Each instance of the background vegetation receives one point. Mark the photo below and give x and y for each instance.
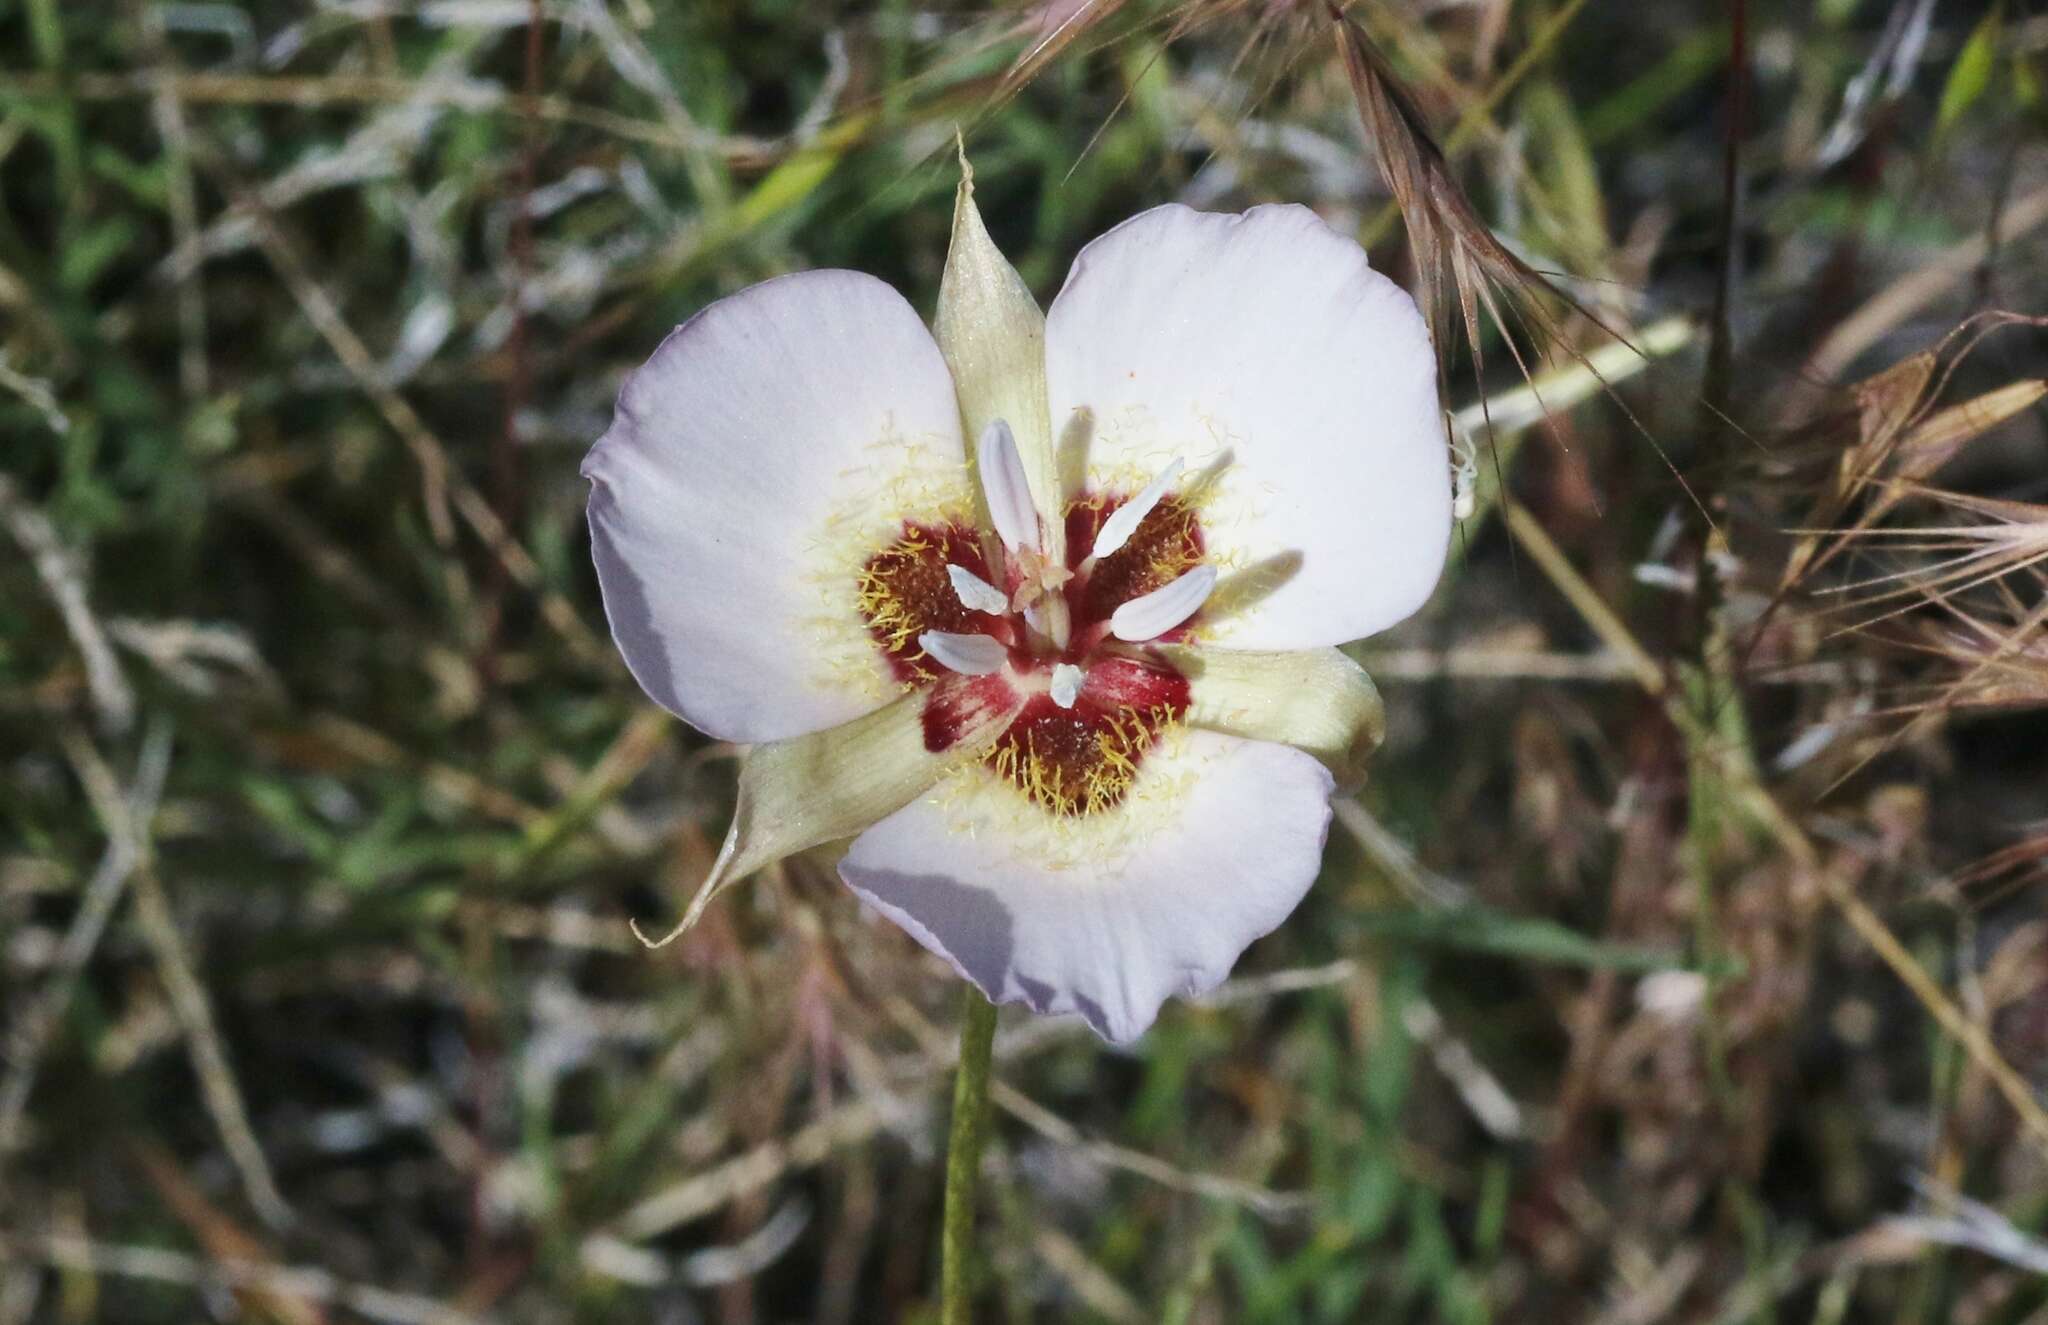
(1686, 961)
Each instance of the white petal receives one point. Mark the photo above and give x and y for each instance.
(1006, 488)
(969, 655)
(1125, 519)
(1229, 836)
(976, 594)
(1151, 615)
(732, 451)
(1265, 338)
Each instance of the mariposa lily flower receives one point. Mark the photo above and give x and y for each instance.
(1038, 608)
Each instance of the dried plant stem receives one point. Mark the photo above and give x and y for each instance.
(177, 970)
(1735, 769)
(112, 697)
(154, 1264)
(1721, 348)
(127, 818)
(1500, 421)
(963, 1155)
(440, 480)
(459, 93)
(1924, 284)
(1585, 600)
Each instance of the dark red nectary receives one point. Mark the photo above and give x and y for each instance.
(1068, 760)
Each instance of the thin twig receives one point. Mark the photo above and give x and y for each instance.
(313, 92)
(1721, 344)
(1423, 887)
(442, 482)
(61, 575)
(858, 1120)
(1261, 1201)
(1790, 836)
(1585, 600)
(305, 1283)
(1906, 296)
(126, 848)
(183, 205)
(1089, 1282)
(209, 1053)
(1480, 662)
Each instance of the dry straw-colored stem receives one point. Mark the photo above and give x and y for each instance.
(1913, 292)
(156, 1265)
(209, 1052)
(128, 823)
(1786, 831)
(312, 92)
(442, 482)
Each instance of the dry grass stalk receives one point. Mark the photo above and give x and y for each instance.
(1887, 437)
(273, 1282)
(113, 698)
(1455, 253)
(208, 1050)
(127, 819)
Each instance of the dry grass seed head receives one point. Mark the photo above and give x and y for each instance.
(1887, 435)
(1454, 251)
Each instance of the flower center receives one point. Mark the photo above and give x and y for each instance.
(1069, 634)
(906, 591)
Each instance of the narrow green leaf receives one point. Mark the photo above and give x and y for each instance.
(1971, 73)
(1477, 929)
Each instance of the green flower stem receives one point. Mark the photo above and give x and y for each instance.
(963, 1155)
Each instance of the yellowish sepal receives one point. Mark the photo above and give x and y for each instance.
(808, 790)
(993, 336)
(1317, 700)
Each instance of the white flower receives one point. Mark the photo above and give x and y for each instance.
(1041, 606)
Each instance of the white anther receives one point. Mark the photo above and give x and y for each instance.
(1066, 684)
(976, 594)
(1155, 613)
(969, 655)
(1125, 519)
(1007, 489)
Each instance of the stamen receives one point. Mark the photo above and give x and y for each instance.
(1007, 489)
(1125, 519)
(976, 594)
(1066, 684)
(969, 655)
(1152, 615)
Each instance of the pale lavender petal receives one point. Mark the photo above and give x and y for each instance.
(1264, 343)
(733, 449)
(1157, 901)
